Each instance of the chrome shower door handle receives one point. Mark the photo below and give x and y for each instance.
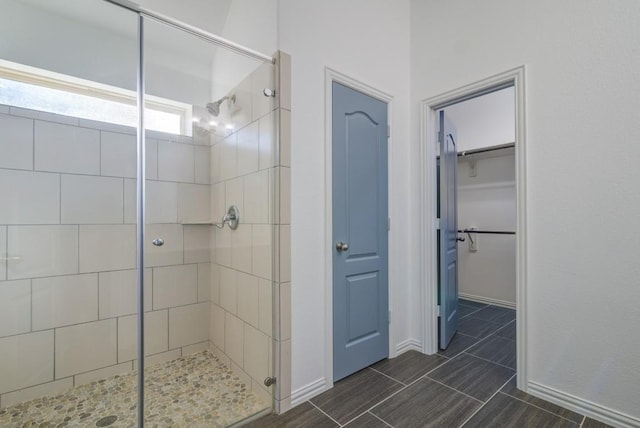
(342, 246)
(158, 242)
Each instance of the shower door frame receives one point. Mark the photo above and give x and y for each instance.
(141, 159)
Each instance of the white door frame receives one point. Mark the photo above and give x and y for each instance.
(428, 219)
(330, 77)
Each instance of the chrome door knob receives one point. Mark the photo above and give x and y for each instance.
(342, 246)
(158, 242)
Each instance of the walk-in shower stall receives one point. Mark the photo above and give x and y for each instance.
(139, 185)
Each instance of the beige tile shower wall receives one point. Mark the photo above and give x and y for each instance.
(246, 171)
(282, 340)
(68, 250)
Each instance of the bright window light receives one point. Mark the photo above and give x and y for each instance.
(40, 92)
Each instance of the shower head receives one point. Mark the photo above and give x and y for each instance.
(214, 107)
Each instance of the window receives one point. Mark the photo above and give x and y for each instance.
(37, 89)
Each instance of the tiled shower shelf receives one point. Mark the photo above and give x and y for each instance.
(199, 223)
(196, 390)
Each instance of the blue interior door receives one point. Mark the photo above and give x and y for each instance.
(360, 255)
(448, 232)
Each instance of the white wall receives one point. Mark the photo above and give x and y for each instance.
(369, 41)
(205, 14)
(251, 24)
(487, 201)
(485, 121)
(582, 85)
(97, 41)
(65, 45)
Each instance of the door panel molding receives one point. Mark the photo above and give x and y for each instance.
(448, 231)
(428, 219)
(331, 76)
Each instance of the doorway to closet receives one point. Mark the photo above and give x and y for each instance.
(476, 207)
(485, 190)
(432, 223)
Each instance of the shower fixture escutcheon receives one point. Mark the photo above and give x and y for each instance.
(232, 218)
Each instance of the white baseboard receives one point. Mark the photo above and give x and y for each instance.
(487, 300)
(584, 407)
(308, 391)
(408, 345)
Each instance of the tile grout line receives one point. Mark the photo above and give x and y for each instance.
(33, 143)
(485, 403)
(426, 375)
(464, 351)
(399, 391)
(480, 340)
(537, 407)
(30, 305)
(458, 391)
(324, 413)
(387, 376)
(471, 313)
(584, 418)
(381, 420)
(489, 361)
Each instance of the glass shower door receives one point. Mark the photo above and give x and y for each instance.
(208, 328)
(68, 122)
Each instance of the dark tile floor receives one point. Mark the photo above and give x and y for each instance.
(471, 384)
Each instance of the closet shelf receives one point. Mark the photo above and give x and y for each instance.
(501, 148)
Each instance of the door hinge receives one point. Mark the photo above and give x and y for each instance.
(437, 224)
(438, 311)
(388, 223)
(389, 317)
(388, 131)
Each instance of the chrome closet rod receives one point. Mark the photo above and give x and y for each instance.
(486, 149)
(495, 232)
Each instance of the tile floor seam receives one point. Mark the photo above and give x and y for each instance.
(399, 391)
(484, 404)
(457, 390)
(471, 313)
(402, 387)
(325, 413)
(426, 375)
(387, 398)
(480, 340)
(490, 334)
(387, 376)
(381, 420)
(584, 418)
(505, 326)
(538, 407)
(471, 306)
(430, 371)
(489, 361)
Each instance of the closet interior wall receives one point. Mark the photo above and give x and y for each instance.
(486, 192)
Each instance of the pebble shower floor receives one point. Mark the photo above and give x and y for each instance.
(192, 391)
